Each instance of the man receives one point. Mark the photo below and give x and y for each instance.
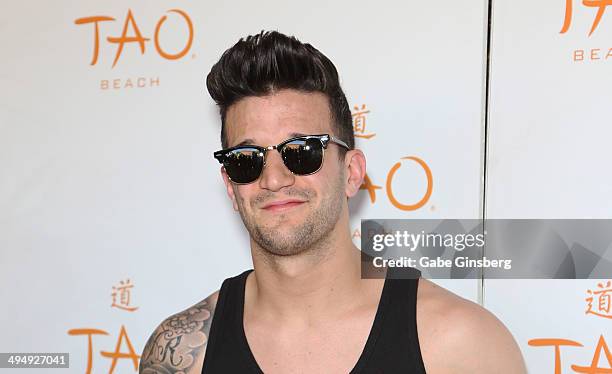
(289, 166)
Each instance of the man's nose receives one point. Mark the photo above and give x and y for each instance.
(275, 174)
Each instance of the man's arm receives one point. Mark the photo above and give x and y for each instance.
(179, 342)
(458, 336)
(479, 343)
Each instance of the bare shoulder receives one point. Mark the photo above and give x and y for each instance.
(178, 344)
(457, 335)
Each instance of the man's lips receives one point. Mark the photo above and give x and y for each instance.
(282, 205)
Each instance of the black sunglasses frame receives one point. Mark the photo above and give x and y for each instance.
(325, 139)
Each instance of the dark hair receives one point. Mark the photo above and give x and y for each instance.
(270, 61)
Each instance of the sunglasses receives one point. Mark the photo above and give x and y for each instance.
(302, 155)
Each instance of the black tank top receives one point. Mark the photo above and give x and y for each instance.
(391, 347)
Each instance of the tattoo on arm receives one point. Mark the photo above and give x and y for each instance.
(179, 340)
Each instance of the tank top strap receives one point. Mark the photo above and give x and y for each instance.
(403, 293)
(397, 349)
(223, 334)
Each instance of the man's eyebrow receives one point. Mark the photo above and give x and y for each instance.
(295, 135)
(250, 141)
(245, 142)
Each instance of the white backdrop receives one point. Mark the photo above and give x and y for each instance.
(549, 156)
(107, 171)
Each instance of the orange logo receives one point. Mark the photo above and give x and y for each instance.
(122, 296)
(371, 188)
(359, 122)
(600, 4)
(116, 355)
(593, 368)
(135, 36)
(602, 297)
(121, 300)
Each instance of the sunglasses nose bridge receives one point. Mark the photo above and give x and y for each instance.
(266, 150)
(275, 174)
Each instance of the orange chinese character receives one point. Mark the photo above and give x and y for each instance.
(359, 122)
(124, 293)
(601, 4)
(603, 299)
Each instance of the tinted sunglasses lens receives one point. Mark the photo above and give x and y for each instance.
(244, 165)
(303, 156)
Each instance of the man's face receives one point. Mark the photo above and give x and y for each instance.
(285, 213)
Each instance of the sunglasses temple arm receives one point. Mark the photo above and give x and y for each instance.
(338, 141)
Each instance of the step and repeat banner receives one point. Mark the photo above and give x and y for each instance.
(113, 214)
(549, 157)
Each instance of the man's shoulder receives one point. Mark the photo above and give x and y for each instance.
(458, 335)
(179, 342)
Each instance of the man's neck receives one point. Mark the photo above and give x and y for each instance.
(307, 287)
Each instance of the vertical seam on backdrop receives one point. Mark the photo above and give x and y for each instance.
(485, 143)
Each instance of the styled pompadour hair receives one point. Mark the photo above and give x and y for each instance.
(262, 64)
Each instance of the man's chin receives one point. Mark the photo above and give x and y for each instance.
(283, 252)
(282, 232)
(282, 241)
(283, 222)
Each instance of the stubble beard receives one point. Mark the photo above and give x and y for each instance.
(280, 240)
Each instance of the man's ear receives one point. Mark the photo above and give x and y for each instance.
(229, 186)
(355, 164)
